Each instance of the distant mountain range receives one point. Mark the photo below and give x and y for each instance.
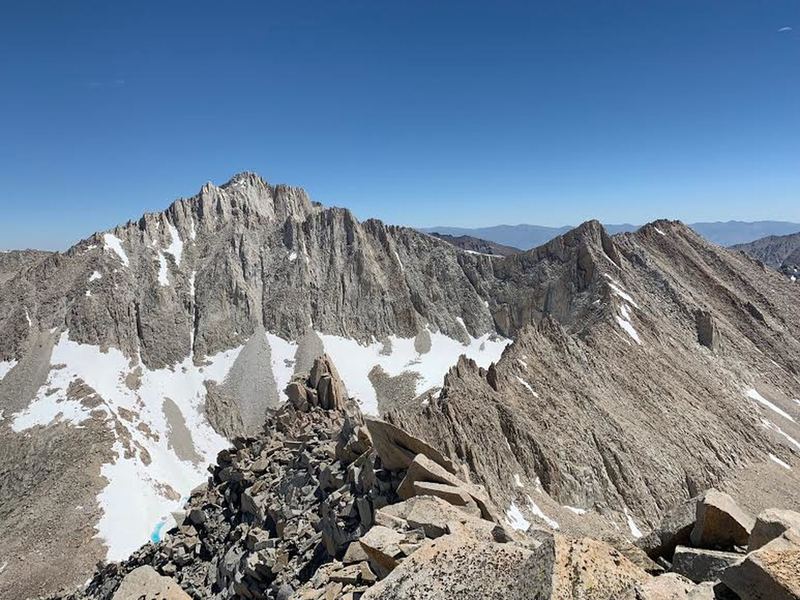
(780, 252)
(477, 245)
(726, 233)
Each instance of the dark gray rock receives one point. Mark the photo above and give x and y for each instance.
(701, 565)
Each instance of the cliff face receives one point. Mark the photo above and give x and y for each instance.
(668, 365)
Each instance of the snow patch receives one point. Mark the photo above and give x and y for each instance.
(5, 367)
(616, 287)
(293, 257)
(399, 262)
(770, 425)
(95, 276)
(282, 356)
(516, 519)
(28, 318)
(553, 524)
(128, 518)
(754, 395)
(624, 322)
(175, 246)
(517, 480)
(635, 531)
(527, 386)
(576, 510)
(778, 461)
(113, 243)
(354, 361)
(658, 231)
(163, 280)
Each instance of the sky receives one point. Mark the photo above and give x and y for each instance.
(417, 112)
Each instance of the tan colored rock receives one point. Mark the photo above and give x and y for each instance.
(704, 591)
(454, 566)
(457, 496)
(397, 449)
(144, 583)
(458, 566)
(669, 586)
(423, 469)
(770, 524)
(354, 554)
(770, 573)
(429, 513)
(720, 523)
(382, 546)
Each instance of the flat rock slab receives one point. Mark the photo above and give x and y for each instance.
(397, 449)
(701, 565)
(720, 523)
(423, 469)
(770, 573)
(770, 524)
(669, 586)
(144, 583)
(451, 494)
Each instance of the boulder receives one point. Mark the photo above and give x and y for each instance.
(423, 469)
(455, 566)
(382, 546)
(675, 528)
(770, 573)
(451, 494)
(324, 378)
(770, 524)
(720, 523)
(429, 513)
(145, 583)
(669, 586)
(297, 395)
(397, 449)
(702, 565)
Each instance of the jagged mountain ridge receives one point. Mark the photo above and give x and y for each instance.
(674, 369)
(779, 252)
(151, 340)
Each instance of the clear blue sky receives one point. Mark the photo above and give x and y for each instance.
(419, 113)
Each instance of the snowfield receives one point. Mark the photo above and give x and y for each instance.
(164, 441)
(354, 361)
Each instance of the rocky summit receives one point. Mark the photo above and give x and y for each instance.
(387, 415)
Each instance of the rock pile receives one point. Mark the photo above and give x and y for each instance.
(327, 504)
(712, 541)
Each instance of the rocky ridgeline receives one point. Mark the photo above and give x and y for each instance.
(328, 504)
